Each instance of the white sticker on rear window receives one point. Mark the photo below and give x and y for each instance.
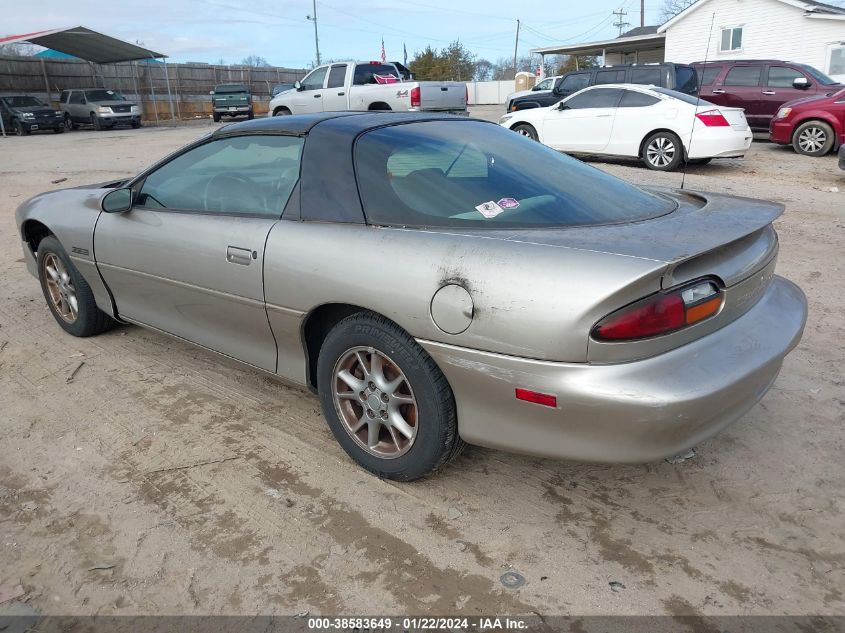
(489, 209)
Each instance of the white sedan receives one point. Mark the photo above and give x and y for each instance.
(660, 126)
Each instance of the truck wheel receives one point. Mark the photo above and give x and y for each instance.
(59, 129)
(281, 112)
(69, 124)
(813, 138)
(251, 115)
(20, 130)
(216, 117)
(95, 121)
(136, 124)
(386, 401)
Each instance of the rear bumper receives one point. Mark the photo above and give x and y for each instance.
(232, 109)
(780, 131)
(729, 143)
(629, 412)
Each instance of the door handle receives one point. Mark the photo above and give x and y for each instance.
(717, 91)
(769, 92)
(599, 116)
(317, 96)
(242, 256)
(340, 94)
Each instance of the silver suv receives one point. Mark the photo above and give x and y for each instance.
(98, 107)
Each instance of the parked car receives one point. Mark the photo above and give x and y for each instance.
(231, 100)
(680, 77)
(280, 88)
(368, 86)
(99, 107)
(813, 126)
(356, 254)
(544, 85)
(660, 126)
(760, 86)
(25, 114)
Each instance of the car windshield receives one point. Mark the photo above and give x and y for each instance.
(473, 174)
(229, 88)
(682, 96)
(817, 75)
(103, 95)
(23, 102)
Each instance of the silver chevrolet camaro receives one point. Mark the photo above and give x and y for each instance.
(436, 281)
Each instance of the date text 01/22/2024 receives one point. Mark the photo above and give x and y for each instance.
(374, 624)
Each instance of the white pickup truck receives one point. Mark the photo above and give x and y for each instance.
(368, 86)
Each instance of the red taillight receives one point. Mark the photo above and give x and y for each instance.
(415, 97)
(545, 399)
(661, 313)
(712, 118)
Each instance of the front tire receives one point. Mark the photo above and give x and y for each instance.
(95, 121)
(20, 130)
(523, 129)
(281, 112)
(386, 401)
(813, 138)
(59, 130)
(68, 295)
(663, 151)
(216, 117)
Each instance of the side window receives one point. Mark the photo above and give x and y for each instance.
(76, 97)
(686, 80)
(709, 75)
(782, 77)
(574, 83)
(546, 84)
(598, 98)
(731, 39)
(63, 97)
(837, 61)
(314, 80)
(634, 99)
(743, 76)
(646, 76)
(337, 75)
(242, 175)
(610, 77)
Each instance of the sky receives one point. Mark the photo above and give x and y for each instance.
(277, 30)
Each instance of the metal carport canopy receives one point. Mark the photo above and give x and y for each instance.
(86, 44)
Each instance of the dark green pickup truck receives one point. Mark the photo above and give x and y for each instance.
(231, 100)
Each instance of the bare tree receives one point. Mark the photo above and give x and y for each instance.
(671, 8)
(255, 61)
(19, 49)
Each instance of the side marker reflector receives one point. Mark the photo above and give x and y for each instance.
(545, 399)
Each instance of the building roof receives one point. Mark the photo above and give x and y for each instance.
(86, 44)
(625, 43)
(811, 8)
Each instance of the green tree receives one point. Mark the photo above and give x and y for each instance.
(453, 63)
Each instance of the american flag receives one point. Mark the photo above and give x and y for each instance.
(383, 56)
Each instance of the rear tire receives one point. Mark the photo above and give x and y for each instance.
(813, 138)
(393, 412)
(136, 125)
(68, 295)
(59, 130)
(523, 129)
(662, 151)
(251, 115)
(216, 117)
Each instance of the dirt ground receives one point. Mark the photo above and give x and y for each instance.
(162, 479)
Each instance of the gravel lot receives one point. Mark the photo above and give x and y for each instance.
(162, 479)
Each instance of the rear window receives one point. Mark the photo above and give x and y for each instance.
(634, 99)
(686, 80)
(451, 174)
(368, 73)
(646, 76)
(228, 88)
(709, 74)
(610, 77)
(691, 99)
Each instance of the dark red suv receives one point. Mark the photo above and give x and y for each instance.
(813, 125)
(760, 86)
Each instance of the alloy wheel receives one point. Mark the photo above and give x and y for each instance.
(60, 288)
(375, 402)
(660, 152)
(812, 139)
(523, 132)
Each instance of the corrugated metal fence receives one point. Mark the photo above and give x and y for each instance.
(145, 82)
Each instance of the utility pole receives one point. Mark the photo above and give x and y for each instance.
(642, 12)
(515, 48)
(316, 37)
(620, 20)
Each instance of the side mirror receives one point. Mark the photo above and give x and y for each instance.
(117, 201)
(801, 83)
(297, 84)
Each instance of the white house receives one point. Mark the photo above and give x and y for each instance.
(790, 30)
